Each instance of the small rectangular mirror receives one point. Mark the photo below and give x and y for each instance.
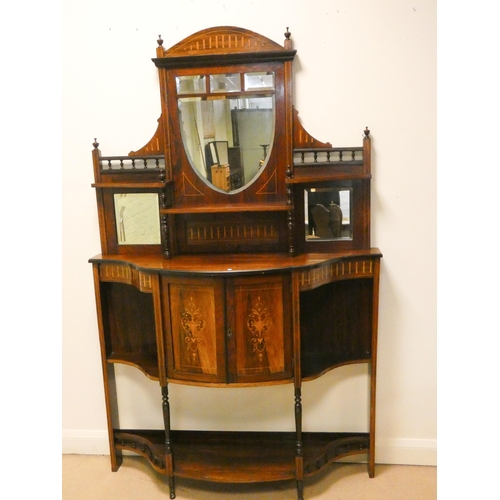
(225, 83)
(327, 213)
(137, 218)
(259, 80)
(192, 84)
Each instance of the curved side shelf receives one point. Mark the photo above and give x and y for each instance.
(261, 456)
(324, 450)
(146, 364)
(336, 325)
(313, 376)
(147, 444)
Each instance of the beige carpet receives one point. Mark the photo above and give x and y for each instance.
(89, 477)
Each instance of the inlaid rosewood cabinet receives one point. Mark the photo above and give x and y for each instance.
(235, 252)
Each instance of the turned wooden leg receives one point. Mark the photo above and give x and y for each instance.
(300, 490)
(299, 460)
(171, 485)
(169, 462)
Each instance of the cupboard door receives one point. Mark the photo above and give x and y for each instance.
(194, 317)
(259, 313)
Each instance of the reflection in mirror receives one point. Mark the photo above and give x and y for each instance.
(190, 84)
(259, 81)
(225, 83)
(229, 137)
(137, 218)
(328, 213)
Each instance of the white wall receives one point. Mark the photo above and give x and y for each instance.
(378, 60)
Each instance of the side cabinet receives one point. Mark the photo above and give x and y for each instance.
(227, 330)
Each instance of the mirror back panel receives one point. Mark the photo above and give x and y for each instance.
(230, 169)
(226, 96)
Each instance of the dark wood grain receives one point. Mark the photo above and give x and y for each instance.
(241, 457)
(235, 295)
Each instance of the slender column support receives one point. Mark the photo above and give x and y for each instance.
(166, 240)
(290, 214)
(297, 382)
(299, 456)
(373, 368)
(108, 371)
(169, 459)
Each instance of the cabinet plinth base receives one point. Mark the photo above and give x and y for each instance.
(241, 457)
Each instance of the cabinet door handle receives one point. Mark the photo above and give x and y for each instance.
(229, 333)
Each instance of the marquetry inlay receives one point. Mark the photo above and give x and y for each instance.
(271, 186)
(229, 39)
(144, 281)
(188, 188)
(336, 271)
(114, 272)
(259, 322)
(302, 139)
(221, 42)
(199, 232)
(125, 274)
(193, 323)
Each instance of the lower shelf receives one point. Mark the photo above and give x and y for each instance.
(241, 457)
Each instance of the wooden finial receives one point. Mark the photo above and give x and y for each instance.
(95, 143)
(366, 132)
(288, 42)
(160, 50)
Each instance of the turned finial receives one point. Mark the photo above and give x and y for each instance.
(159, 41)
(95, 143)
(366, 132)
(288, 42)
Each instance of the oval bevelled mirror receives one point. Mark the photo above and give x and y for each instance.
(227, 125)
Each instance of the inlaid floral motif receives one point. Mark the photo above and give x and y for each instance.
(259, 322)
(192, 322)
